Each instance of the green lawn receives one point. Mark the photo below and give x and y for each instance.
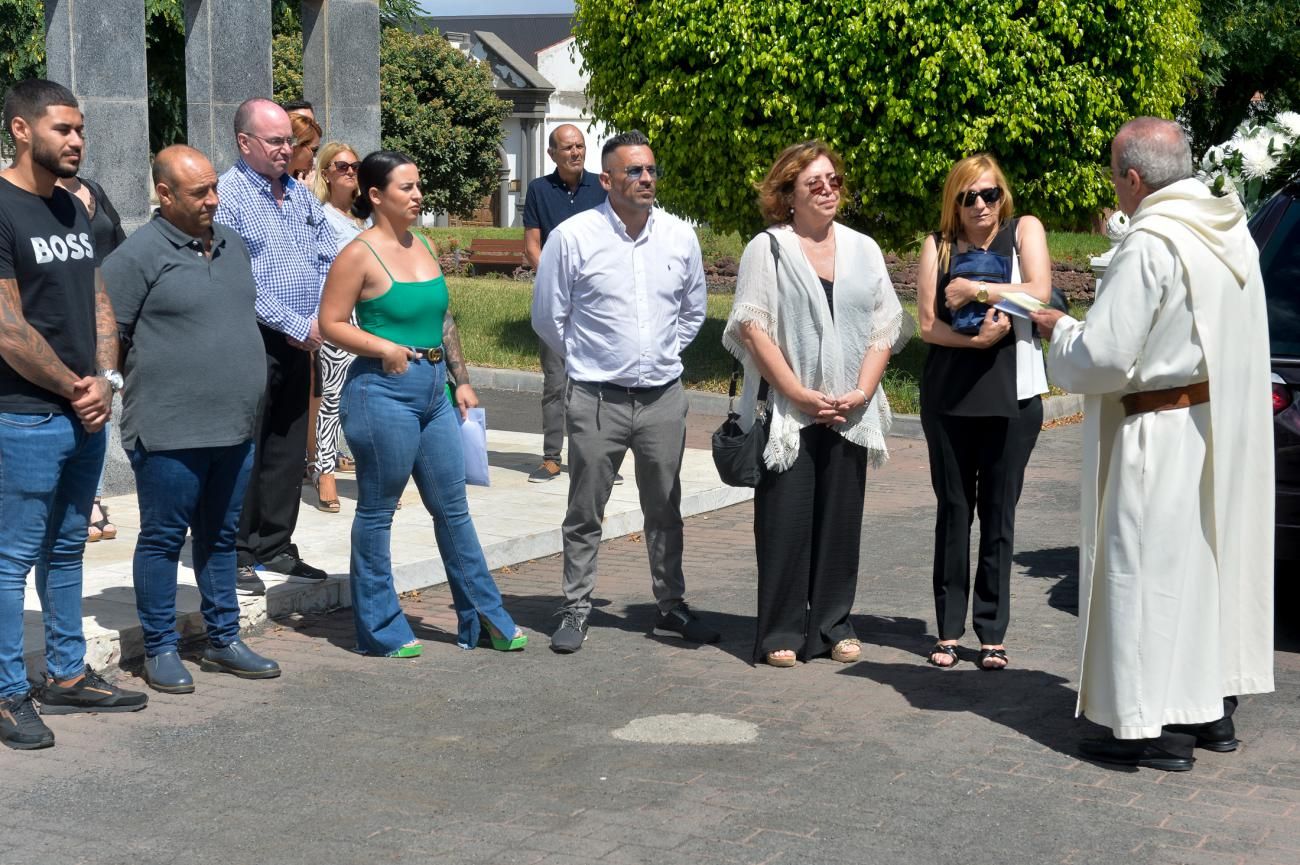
(1074, 248)
(493, 318)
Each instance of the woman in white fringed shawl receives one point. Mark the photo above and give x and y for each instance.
(816, 317)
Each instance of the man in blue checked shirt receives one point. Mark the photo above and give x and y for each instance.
(292, 247)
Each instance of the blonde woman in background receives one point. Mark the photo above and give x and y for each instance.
(335, 185)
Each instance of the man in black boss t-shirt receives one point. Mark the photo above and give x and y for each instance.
(58, 350)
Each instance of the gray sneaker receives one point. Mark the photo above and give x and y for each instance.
(681, 622)
(571, 633)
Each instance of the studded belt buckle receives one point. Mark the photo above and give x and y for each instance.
(434, 355)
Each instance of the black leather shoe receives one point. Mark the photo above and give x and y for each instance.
(165, 672)
(1220, 735)
(1134, 752)
(238, 660)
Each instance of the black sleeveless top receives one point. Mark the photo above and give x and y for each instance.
(972, 382)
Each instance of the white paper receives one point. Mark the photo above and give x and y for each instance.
(473, 436)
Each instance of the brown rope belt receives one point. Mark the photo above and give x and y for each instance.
(1167, 399)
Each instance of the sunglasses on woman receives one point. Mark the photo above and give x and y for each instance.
(821, 184)
(991, 196)
(343, 167)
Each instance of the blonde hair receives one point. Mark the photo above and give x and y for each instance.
(963, 174)
(775, 190)
(319, 185)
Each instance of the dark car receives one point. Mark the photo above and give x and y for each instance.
(1276, 229)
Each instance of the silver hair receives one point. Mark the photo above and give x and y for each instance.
(1156, 149)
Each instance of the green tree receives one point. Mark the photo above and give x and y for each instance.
(439, 107)
(165, 58)
(22, 41)
(901, 88)
(1248, 47)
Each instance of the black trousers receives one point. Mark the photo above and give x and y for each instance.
(274, 491)
(807, 534)
(977, 466)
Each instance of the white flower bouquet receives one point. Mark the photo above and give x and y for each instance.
(1261, 156)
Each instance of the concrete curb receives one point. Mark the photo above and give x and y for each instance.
(715, 404)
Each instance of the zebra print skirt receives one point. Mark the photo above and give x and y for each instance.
(332, 365)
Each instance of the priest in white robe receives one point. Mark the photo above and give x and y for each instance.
(1176, 547)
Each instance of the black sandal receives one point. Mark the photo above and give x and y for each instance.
(1001, 654)
(941, 649)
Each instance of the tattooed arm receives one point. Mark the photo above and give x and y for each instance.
(106, 349)
(26, 351)
(456, 366)
(94, 403)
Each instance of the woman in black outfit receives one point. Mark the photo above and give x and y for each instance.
(107, 235)
(981, 406)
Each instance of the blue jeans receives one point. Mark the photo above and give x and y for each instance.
(49, 466)
(399, 426)
(202, 489)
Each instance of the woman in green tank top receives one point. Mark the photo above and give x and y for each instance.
(396, 417)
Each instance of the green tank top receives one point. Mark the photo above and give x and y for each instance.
(409, 313)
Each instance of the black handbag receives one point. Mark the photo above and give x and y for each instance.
(737, 454)
(978, 265)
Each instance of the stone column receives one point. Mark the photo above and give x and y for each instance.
(340, 69)
(227, 60)
(96, 50)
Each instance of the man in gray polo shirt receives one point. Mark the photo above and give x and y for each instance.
(183, 293)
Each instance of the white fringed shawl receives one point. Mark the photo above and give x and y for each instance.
(788, 303)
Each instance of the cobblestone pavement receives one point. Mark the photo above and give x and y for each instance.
(466, 757)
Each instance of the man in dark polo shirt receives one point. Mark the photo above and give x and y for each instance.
(552, 199)
(183, 293)
(58, 350)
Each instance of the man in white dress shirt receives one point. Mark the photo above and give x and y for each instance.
(620, 293)
(1176, 553)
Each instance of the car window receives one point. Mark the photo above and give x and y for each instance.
(1279, 259)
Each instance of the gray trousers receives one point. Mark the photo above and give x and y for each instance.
(553, 382)
(603, 422)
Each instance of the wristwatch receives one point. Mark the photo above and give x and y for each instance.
(982, 292)
(114, 379)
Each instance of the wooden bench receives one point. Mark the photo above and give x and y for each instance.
(506, 255)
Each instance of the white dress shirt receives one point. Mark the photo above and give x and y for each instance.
(620, 310)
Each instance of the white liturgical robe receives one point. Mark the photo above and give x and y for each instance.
(1176, 546)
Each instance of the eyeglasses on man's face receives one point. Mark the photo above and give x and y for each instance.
(275, 142)
(634, 172)
(991, 196)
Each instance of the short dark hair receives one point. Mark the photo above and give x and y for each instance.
(631, 138)
(297, 105)
(374, 173)
(29, 99)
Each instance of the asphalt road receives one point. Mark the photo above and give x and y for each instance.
(474, 757)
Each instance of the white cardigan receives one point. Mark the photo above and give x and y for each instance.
(787, 303)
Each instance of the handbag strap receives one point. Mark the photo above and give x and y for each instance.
(736, 368)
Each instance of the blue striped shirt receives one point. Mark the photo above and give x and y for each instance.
(291, 244)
